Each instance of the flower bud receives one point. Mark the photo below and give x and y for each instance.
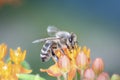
(82, 61)
(89, 74)
(64, 63)
(115, 77)
(103, 76)
(98, 66)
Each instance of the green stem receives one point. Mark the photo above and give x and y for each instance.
(76, 76)
(95, 77)
(58, 78)
(65, 76)
(82, 75)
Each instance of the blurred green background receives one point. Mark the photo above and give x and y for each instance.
(96, 23)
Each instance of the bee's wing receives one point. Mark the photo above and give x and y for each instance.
(52, 30)
(45, 39)
(39, 40)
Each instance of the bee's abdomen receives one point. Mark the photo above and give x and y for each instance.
(45, 57)
(45, 50)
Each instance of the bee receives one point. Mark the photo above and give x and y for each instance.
(57, 40)
(66, 38)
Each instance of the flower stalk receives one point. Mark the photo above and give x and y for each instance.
(82, 75)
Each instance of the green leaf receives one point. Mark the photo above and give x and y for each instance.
(78, 75)
(25, 64)
(8, 60)
(62, 78)
(29, 77)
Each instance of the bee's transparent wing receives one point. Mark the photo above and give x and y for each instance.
(51, 30)
(45, 39)
(39, 40)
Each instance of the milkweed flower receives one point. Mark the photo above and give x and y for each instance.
(98, 66)
(64, 63)
(103, 76)
(17, 56)
(82, 61)
(6, 72)
(59, 68)
(69, 62)
(71, 54)
(89, 74)
(10, 69)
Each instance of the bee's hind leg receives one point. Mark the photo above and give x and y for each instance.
(59, 45)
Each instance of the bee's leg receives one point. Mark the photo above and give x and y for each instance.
(67, 46)
(59, 45)
(55, 58)
(73, 46)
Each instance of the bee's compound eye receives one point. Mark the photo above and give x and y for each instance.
(70, 39)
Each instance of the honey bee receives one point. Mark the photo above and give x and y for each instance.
(66, 38)
(57, 39)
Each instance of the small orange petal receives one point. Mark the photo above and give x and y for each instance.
(1, 63)
(19, 69)
(72, 73)
(19, 50)
(23, 55)
(52, 71)
(86, 51)
(3, 50)
(11, 53)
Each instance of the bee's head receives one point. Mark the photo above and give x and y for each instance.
(72, 39)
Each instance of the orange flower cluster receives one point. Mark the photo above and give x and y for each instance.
(69, 63)
(76, 60)
(10, 69)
